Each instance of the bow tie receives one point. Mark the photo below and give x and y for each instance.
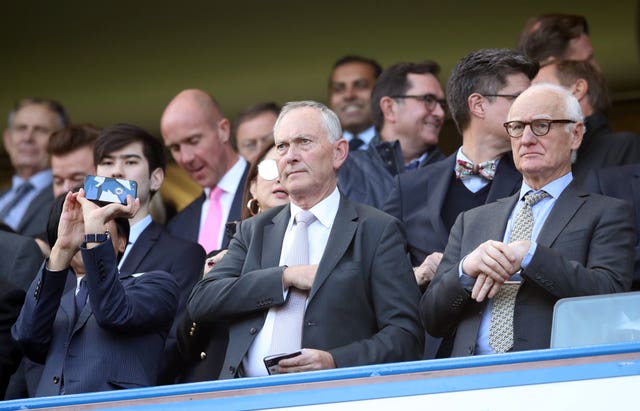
(486, 169)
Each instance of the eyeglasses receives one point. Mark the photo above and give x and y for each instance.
(509, 96)
(429, 101)
(539, 127)
(268, 169)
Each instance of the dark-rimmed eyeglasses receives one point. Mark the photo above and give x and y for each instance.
(539, 127)
(429, 100)
(508, 96)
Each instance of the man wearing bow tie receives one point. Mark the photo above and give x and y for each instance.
(480, 91)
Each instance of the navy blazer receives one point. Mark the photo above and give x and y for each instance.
(585, 247)
(362, 307)
(417, 199)
(186, 224)
(21, 258)
(115, 342)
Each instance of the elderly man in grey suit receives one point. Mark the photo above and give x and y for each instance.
(507, 263)
(354, 283)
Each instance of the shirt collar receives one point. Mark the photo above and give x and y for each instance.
(325, 211)
(39, 180)
(366, 135)
(231, 179)
(138, 228)
(554, 188)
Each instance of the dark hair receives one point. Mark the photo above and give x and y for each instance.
(252, 174)
(71, 138)
(352, 58)
(483, 71)
(394, 81)
(569, 71)
(56, 213)
(548, 36)
(120, 135)
(54, 106)
(250, 113)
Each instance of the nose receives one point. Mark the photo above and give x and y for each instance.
(185, 156)
(349, 93)
(439, 110)
(527, 136)
(116, 170)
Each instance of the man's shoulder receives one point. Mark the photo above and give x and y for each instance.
(442, 169)
(169, 241)
(192, 209)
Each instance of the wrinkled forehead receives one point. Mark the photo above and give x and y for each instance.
(299, 122)
(539, 103)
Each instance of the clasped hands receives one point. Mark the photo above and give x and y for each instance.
(491, 264)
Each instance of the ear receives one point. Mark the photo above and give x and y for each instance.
(576, 136)
(580, 89)
(120, 245)
(387, 106)
(340, 152)
(224, 130)
(156, 179)
(476, 103)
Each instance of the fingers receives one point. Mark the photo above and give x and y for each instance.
(492, 259)
(309, 360)
(482, 287)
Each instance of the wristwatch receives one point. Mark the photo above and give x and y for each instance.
(96, 238)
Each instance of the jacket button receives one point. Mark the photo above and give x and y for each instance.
(203, 355)
(253, 330)
(56, 380)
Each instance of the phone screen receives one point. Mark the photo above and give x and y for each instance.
(271, 361)
(104, 190)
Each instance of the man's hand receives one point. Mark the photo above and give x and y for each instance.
(492, 258)
(70, 234)
(299, 276)
(213, 260)
(427, 270)
(486, 286)
(309, 360)
(95, 217)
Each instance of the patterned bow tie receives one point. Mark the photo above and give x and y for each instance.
(486, 169)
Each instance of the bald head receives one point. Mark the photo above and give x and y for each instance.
(197, 134)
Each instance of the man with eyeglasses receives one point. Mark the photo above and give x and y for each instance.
(507, 263)
(480, 91)
(408, 110)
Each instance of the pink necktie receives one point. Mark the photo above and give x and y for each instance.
(210, 231)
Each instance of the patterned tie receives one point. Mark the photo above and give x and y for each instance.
(209, 237)
(486, 169)
(21, 190)
(501, 324)
(81, 296)
(287, 326)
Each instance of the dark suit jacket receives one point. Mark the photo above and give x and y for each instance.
(186, 224)
(362, 307)
(21, 258)
(117, 339)
(585, 247)
(34, 221)
(417, 200)
(621, 182)
(11, 299)
(603, 148)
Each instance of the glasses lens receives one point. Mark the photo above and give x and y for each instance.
(515, 128)
(429, 101)
(540, 127)
(268, 169)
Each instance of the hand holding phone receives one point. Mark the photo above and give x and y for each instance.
(104, 190)
(271, 361)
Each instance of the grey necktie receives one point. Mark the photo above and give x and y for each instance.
(287, 326)
(501, 324)
(21, 190)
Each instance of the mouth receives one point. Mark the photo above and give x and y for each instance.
(280, 192)
(352, 108)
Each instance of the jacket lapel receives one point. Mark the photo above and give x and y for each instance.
(563, 211)
(143, 245)
(437, 196)
(341, 236)
(507, 181)
(273, 236)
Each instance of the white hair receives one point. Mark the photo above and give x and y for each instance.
(328, 118)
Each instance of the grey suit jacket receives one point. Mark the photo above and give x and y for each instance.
(21, 258)
(417, 199)
(115, 342)
(34, 221)
(362, 307)
(585, 247)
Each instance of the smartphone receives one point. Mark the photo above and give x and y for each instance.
(271, 361)
(105, 190)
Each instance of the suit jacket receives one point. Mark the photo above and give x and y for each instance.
(21, 258)
(584, 248)
(362, 307)
(621, 182)
(186, 224)
(34, 221)
(115, 342)
(11, 299)
(603, 148)
(417, 199)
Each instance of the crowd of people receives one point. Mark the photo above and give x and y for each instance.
(324, 236)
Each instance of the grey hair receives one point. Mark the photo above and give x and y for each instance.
(329, 119)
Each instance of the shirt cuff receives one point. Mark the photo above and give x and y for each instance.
(527, 258)
(466, 281)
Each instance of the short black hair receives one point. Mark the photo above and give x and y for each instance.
(115, 137)
(548, 35)
(353, 58)
(394, 81)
